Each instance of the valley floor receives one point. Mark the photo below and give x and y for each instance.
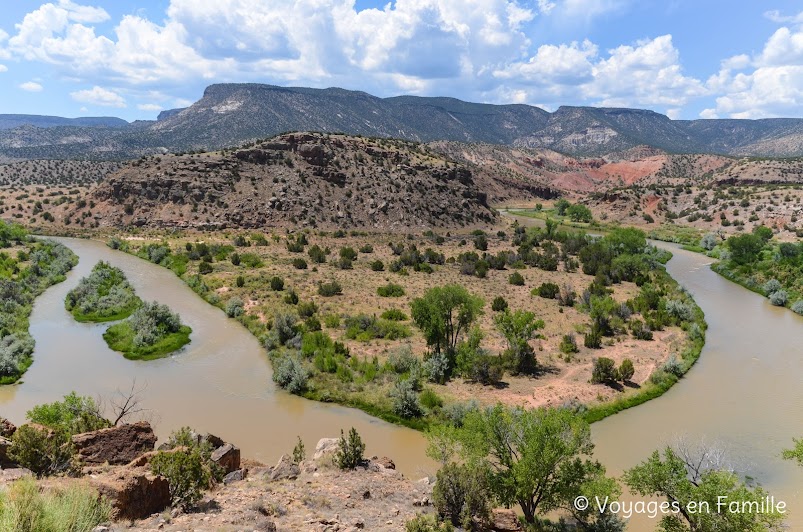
(563, 376)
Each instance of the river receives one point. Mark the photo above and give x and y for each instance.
(744, 394)
(220, 383)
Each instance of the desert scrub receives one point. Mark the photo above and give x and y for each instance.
(103, 295)
(38, 264)
(75, 508)
(44, 446)
(187, 474)
(364, 328)
(153, 331)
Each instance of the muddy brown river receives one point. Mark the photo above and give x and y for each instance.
(745, 393)
(220, 383)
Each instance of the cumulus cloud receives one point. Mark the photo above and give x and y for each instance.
(317, 41)
(779, 18)
(99, 96)
(474, 49)
(768, 84)
(31, 86)
(3, 68)
(647, 73)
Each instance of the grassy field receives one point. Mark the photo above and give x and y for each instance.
(120, 337)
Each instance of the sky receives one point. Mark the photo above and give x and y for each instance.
(687, 59)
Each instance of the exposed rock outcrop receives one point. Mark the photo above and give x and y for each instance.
(324, 448)
(135, 493)
(306, 179)
(115, 445)
(7, 428)
(227, 456)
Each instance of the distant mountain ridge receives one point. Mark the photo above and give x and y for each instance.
(230, 114)
(12, 121)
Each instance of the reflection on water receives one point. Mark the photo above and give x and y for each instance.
(220, 383)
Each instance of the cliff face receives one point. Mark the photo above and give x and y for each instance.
(305, 179)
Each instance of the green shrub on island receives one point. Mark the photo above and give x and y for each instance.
(103, 295)
(152, 331)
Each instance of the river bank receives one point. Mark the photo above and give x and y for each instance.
(565, 376)
(221, 383)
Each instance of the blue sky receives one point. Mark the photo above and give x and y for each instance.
(685, 58)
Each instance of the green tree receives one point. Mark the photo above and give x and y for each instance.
(604, 371)
(683, 477)
(72, 415)
(444, 313)
(561, 206)
(461, 495)
(518, 328)
(763, 232)
(579, 213)
(795, 453)
(626, 370)
(745, 248)
(602, 314)
(537, 459)
(349, 453)
(626, 240)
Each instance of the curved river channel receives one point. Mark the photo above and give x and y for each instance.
(745, 393)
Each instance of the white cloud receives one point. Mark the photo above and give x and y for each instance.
(709, 113)
(645, 74)
(562, 64)
(85, 14)
(317, 41)
(3, 68)
(768, 84)
(776, 16)
(99, 96)
(31, 86)
(474, 49)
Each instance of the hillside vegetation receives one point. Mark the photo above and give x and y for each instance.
(229, 114)
(304, 179)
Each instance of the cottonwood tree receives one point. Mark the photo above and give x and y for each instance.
(537, 459)
(519, 328)
(695, 479)
(443, 314)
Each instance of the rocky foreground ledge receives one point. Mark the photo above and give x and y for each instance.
(311, 495)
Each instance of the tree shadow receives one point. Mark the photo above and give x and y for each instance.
(631, 384)
(543, 370)
(615, 385)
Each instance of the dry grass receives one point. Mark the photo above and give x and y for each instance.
(564, 378)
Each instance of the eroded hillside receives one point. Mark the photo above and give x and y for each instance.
(305, 179)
